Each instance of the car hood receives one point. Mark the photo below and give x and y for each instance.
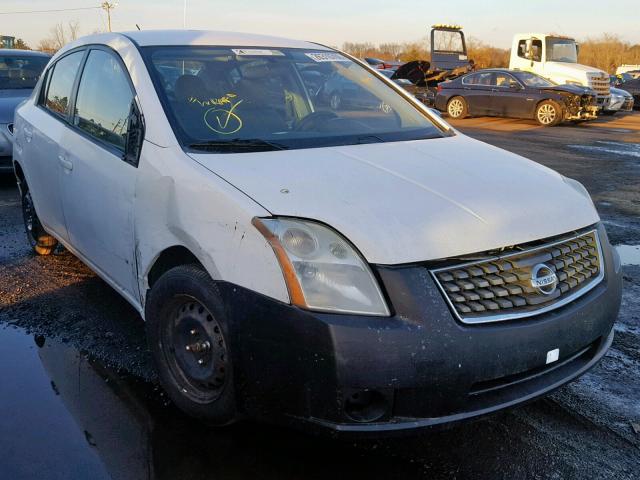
(572, 69)
(9, 100)
(575, 89)
(619, 91)
(404, 202)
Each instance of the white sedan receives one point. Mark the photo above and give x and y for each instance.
(360, 269)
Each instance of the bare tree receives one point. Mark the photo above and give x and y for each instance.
(59, 36)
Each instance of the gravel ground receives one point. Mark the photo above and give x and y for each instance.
(71, 328)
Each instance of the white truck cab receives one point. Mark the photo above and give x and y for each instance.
(556, 58)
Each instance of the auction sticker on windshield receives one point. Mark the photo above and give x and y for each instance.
(327, 57)
(256, 52)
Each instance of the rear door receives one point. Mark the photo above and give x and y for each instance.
(477, 90)
(509, 98)
(98, 185)
(43, 130)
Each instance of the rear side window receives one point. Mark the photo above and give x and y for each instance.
(104, 99)
(60, 84)
(484, 78)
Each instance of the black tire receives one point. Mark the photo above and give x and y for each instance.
(41, 242)
(548, 113)
(457, 107)
(184, 312)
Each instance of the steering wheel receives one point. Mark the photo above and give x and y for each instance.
(308, 122)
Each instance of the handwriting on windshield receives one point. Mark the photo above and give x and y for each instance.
(226, 99)
(224, 121)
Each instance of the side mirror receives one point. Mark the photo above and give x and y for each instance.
(135, 135)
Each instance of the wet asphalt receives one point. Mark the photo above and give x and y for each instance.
(78, 397)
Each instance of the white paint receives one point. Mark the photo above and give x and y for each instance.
(553, 356)
(629, 254)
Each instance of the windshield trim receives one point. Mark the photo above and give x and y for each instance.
(442, 129)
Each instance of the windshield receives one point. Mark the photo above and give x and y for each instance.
(447, 41)
(18, 71)
(533, 80)
(226, 99)
(562, 50)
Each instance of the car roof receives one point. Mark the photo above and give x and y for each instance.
(23, 53)
(145, 38)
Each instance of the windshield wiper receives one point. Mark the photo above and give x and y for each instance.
(238, 145)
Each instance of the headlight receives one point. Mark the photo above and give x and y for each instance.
(323, 271)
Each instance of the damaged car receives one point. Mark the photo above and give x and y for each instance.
(515, 94)
(361, 271)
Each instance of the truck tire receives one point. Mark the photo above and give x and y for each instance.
(548, 113)
(41, 242)
(190, 342)
(457, 108)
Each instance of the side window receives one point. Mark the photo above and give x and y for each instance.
(478, 79)
(60, 83)
(536, 50)
(503, 80)
(104, 99)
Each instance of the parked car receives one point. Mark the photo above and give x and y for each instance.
(357, 272)
(515, 94)
(632, 87)
(424, 94)
(620, 101)
(341, 93)
(19, 72)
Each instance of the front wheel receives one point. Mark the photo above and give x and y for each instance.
(548, 113)
(457, 107)
(41, 242)
(189, 339)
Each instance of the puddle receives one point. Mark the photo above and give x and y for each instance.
(63, 415)
(615, 148)
(629, 254)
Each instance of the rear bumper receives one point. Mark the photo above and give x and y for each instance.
(417, 369)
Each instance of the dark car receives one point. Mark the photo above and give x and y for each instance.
(633, 87)
(19, 73)
(341, 94)
(515, 94)
(424, 94)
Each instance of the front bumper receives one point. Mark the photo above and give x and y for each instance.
(420, 368)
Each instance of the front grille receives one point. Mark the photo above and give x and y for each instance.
(502, 287)
(600, 84)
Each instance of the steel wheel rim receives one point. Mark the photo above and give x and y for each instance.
(195, 350)
(546, 114)
(455, 108)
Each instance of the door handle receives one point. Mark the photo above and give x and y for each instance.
(66, 164)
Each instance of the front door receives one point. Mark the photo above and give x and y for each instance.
(509, 98)
(98, 185)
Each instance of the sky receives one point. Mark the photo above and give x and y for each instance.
(333, 22)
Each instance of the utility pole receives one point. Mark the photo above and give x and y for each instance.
(107, 7)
